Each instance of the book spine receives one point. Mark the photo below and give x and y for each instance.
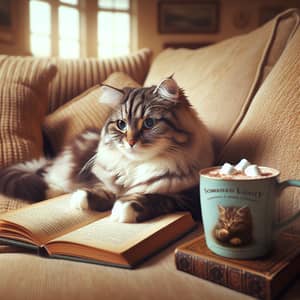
(236, 279)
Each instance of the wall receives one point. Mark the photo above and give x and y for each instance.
(19, 45)
(147, 15)
(145, 24)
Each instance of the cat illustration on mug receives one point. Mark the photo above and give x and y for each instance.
(234, 226)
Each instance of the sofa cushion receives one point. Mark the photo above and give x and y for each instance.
(75, 76)
(156, 279)
(221, 80)
(83, 112)
(270, 132)
(23, 104)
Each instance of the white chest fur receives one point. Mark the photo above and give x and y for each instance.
(157, 175)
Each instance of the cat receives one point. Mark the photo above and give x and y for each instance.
(142, 164)
(234, 226)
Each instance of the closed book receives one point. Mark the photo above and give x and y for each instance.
(263, 278)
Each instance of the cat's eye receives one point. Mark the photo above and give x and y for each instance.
(149, 123)
(122, 125)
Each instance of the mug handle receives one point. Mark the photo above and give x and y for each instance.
(282, 224)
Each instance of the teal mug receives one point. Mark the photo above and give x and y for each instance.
(238, 213)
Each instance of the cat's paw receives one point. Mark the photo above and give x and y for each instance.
(235, 241)
(79, 200)
(124, 212)
(222, 234)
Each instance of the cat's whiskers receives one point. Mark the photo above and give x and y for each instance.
(88, 165)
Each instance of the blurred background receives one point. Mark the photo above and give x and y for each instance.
(109, 28)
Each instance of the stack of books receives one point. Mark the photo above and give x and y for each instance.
(263, 278)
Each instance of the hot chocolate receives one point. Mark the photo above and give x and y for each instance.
(243, 170)
(215, 173)
(238, 208)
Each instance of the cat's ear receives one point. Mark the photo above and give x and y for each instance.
(221, 209)
(111, 96)
(168, 89)
(243, 210)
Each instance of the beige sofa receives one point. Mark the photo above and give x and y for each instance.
(247, 91)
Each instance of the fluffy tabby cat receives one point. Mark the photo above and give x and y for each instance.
(234, 225)
(143, 163)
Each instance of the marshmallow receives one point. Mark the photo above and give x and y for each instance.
(242, 165)
(227, 169)
(252, 170)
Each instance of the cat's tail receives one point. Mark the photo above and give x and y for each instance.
(24, 180)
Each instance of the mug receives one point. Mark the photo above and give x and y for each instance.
(238, 213)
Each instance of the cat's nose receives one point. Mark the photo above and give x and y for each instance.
(131, 137)
(131, 142)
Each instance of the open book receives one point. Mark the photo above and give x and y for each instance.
(59, 231)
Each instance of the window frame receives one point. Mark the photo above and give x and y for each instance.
(88, 32)
(116, 10)
(54, 15)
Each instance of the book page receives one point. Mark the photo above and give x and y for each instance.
(51, 218)
(116, 237)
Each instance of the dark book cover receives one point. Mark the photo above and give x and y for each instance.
(263, 278)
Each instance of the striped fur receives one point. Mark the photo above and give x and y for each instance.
(143, 163)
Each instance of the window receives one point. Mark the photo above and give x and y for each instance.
(113, 27)
(56, 27)
(40, 28)
(68, 20)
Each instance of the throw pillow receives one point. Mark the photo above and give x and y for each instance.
(23, 104)
(75, 76)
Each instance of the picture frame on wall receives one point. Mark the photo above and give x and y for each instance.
(188, 16)
(186, 45)
(7, 21)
